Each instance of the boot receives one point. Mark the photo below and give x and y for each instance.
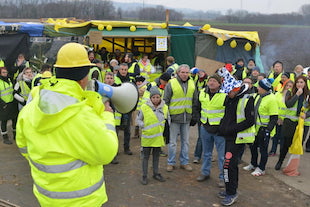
(6, 139)
(278, 165)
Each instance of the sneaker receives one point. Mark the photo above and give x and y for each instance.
(258, 172)
(170, 168)
(222, 194)
(201, 178)
(186, 167)
(196, 161)
(128, 152)
(159, 178)
(249, 167)
(221, 184)
(229, 199)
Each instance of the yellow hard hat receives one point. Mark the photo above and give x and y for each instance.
(72, 55)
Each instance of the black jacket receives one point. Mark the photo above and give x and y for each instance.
(229, 126)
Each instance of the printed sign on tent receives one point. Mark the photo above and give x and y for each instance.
(161, 43)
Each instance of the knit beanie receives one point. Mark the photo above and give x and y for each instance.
(287, 74)
(75, 74)
(265, 84)
(217, 78)
(165, 77)
(154, 90)
(256, 68)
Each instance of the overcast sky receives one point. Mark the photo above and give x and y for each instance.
(262, 6)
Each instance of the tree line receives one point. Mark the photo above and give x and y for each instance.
(105, 10)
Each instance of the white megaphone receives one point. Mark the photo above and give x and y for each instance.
(124, 97)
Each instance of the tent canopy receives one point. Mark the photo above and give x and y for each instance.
(125, 32)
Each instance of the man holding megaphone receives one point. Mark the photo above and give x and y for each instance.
(67, 134)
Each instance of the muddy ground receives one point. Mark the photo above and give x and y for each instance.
(180, 189)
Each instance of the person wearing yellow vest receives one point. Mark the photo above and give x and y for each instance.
(266, 112)
(172, 66)
(122, 76)
(8, 107)
(180, 96)
(308, 78)
(280, 96)
(212, 111)
(151, 119)
(133, 66)
(46, 69)
(254, 75)
(20, 64)
(284, 78)
(277, 70)
(240, 69)
(146, 68)
(295, 100)
(237, 127)
(23, 87)
(67, 134)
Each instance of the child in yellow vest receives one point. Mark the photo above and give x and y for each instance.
(151, 118)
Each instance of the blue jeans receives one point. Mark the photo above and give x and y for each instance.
(175, 130)
(276, 138)
(208, 141)
(198, 148)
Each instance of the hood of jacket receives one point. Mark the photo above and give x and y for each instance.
(53, 103)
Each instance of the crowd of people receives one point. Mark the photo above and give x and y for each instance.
(58, 120)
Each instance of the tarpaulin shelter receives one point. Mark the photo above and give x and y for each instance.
(185, 42)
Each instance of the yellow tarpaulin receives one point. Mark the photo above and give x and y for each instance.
(226, 34)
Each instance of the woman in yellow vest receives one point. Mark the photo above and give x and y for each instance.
(280, 96)
(152, 117)
(295, 100)
(266, 112)
(146, 68)
(8, 107)
(22, 87)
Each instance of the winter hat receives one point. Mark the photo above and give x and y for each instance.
(140, 78)
(194, 71)
(229, 82)
(154, 90)
(265, 84)
(217, 78)
(287, 74)
(165, 77)
(256, 68)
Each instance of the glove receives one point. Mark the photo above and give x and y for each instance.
(193, 122)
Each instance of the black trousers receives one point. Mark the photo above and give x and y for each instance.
(288, 130)
(231, 171)
(4, 125)
(145, 159)
(261, 142)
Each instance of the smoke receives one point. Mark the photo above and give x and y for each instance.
(290, 45)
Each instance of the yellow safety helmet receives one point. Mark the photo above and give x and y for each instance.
(72, 55)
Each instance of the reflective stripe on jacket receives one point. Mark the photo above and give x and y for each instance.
(181, 102)
(6, 91)
(212, 110)
(152, 131)
(247, 135)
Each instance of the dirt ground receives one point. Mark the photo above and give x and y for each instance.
(180, 189)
